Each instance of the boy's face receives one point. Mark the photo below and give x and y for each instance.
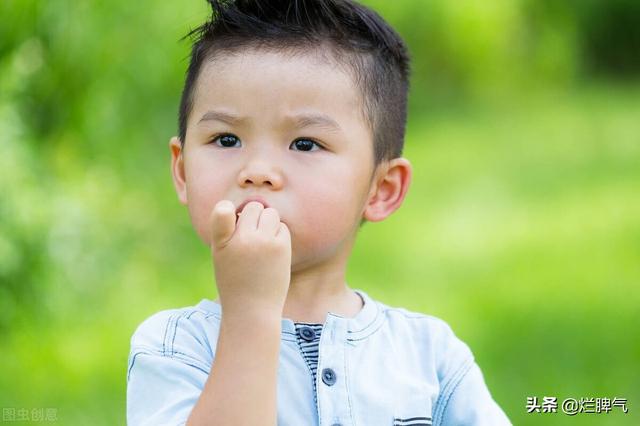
(282, 104)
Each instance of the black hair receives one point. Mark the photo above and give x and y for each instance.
(355, 36)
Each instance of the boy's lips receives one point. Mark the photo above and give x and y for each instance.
(248, 200)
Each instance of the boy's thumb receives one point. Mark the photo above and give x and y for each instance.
(223, 223)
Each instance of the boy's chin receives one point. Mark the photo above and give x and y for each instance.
(304, 261)
(298, 264)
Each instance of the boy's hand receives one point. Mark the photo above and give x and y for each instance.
(252, 258)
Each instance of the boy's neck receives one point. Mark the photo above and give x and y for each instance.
(310, 303)
(312, 295)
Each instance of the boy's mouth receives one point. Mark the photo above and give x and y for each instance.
(248, 200)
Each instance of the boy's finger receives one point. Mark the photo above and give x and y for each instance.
(249, 215)
(269, 221)
(223, 222)
(283, 232)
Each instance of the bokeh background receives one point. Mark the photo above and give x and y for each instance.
(521, 228)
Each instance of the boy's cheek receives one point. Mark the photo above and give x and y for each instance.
(320, 231)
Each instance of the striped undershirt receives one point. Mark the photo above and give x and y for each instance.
(309, 348)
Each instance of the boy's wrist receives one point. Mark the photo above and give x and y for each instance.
(245, 315)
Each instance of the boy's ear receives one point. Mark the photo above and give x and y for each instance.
(388, 189)
(177, 169)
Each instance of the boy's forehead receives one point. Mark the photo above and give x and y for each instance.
(255, 79)
(271, 56)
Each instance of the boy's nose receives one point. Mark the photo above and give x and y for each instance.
(260, 174)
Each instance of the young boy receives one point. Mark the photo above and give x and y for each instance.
(291, 132)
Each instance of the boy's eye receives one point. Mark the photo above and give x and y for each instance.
(305, 145)
(231, 141)
(227, 141)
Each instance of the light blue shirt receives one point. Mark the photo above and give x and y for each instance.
(386, 366)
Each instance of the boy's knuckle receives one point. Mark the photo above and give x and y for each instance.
(268, 242)
(254, 241)
(244, 241)
(279, 245)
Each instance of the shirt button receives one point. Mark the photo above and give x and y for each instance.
(337, 424)
(307, 333)
(328, 376)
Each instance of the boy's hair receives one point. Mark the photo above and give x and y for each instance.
(357, 39)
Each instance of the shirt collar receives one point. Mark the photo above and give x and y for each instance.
(355, 327)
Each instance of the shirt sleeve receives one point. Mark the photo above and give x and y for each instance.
(467, 401)
(165, 375)
(464, 398)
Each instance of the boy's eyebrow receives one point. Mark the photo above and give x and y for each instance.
(319, 120)
(299, 121)
(221, 116)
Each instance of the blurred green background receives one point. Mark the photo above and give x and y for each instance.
(521, 228)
